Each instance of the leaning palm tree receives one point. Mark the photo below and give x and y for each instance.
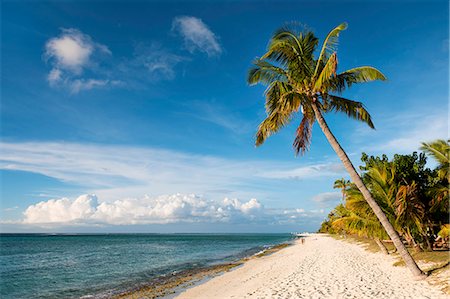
(298, 81)
(342, 184)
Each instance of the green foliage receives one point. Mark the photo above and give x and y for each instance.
(410, 194)
(440, 151)
(444, 233)
(296, 80)
(341, 184)
(439, 186)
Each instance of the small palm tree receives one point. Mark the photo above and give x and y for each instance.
(342, 184)
(440, 151)
(297, 81)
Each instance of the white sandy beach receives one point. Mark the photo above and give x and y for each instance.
(321, 268)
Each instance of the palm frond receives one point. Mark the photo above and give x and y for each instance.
(356, 75)
(272, 124)
(409, 209)
(327, 72)
(282, 102)
(282, 97)
(440, 195)
(293, 50)
(342, 184)
(329, 46)
(303, 135)
(440, 151)
(265, 73)
(361, 226)
(351, 108)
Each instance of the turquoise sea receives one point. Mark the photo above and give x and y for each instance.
(73, 266)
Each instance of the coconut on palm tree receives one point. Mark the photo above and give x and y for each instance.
(298, 81)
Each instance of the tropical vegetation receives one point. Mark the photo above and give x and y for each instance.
(413, 197)
(298, 80)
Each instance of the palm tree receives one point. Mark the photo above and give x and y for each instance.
(410, 210)
(362, 225)
(342, 184)
(440, 151)
(297, 81)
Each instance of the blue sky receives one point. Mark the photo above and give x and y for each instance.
(136, 116)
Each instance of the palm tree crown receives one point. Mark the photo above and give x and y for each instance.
(440, 151)
(341, 184)
(296, 79)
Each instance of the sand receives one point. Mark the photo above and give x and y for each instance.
(323, 267)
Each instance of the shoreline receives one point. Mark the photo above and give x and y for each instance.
(169, 286)
(322, 267)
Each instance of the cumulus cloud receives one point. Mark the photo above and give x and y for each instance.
(88, 210)
(175, 208)
(197, 36)
(61, 210)
(70, 54)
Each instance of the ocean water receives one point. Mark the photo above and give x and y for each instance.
(72, 266)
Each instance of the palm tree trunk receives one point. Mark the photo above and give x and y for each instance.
(381, 245)
(407, 258)
(427, 240)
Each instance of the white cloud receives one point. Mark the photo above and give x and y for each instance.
(158, 62)
(404, 132)
(307, 172)
(54, 77)
(328, 197)
(72, 50)
(86, 209)
(78, 63)
(421, 129)
(70, 54)
(81, 84)
(162, 64)
(116, 172)
(197, 36)
(61, 210)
